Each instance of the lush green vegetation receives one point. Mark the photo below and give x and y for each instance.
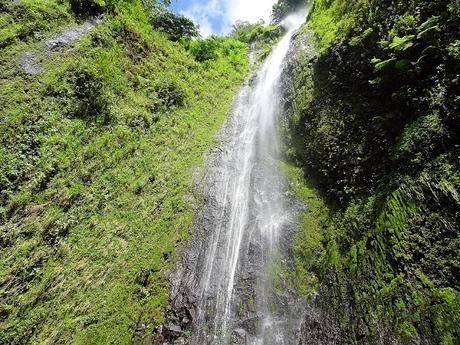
(315, 227)
(374, 122)
(99, 151)
(283, 7)
(97, 159)
(260, 36)
(331, 20)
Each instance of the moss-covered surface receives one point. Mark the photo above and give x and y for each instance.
(97, 159)
(314, 227)
(261, 37)
(375, 125)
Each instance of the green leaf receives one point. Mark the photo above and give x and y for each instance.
(402, 43)
(454, 49)
(375, 81)
(430, 29)
(384, 64)
(431, 22)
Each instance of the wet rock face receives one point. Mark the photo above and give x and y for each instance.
(69, 36)
(317, 329)
(27, 62)
(320, 325)
(187, 299)
(180, 316)
(308, 324)
(31, 62)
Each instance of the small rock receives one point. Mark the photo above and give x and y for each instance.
(172, 330)
(240, 333)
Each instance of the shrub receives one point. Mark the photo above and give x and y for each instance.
(87, 87)
(204, 50)
(421, 139)
(454, 49)
(170, 94)
(88, 91)
(30, 19)
(236, 52)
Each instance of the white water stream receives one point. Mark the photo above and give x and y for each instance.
(246, 218)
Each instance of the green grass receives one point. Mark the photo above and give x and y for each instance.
(32, 20)
(97, 178)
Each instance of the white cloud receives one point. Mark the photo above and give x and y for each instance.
(250, 10)
(202, 20)
(204, 13)
(218, 16)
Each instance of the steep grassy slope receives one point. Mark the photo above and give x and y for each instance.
(97, 158)
(374, 122)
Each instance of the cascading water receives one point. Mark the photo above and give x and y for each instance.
(246, 212)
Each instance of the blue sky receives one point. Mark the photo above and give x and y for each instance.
(218, 16)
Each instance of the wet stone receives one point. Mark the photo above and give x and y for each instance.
(239, 335)
(172, 330)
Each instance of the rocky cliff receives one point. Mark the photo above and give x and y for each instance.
(372, 99)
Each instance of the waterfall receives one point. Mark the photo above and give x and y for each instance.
(245, 214)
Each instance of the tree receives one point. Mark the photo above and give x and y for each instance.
(244, 31)
(205, 50)
(156, 3)
(85, 8)
(174, 25)
(283, 7)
